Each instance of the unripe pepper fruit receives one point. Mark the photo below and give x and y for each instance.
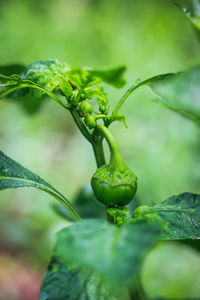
(114, 184)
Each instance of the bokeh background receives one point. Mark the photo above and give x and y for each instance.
(149, 37)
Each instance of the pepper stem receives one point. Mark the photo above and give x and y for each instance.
(116, 158)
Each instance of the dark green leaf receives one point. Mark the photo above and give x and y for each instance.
(87, 205)
(9, 70)
(115, 253)
(62, 212)
(64, 281)
(13, 175)
(29, 103)
(194, 244)
(179, 216)
(180, 92)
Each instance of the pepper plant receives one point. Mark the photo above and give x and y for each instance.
(99, 257)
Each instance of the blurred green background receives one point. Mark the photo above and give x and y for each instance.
(149, 37)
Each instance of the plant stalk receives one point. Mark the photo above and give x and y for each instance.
(81, 125)
(99, 153)
(95, 140)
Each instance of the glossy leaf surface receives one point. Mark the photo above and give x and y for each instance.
(13, 175)
(115, 253)
(179, 216)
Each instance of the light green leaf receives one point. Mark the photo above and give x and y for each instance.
(112, 76)
(64, 281)
(180, 92)
(179, 216)
(115, 253)
(13, 175)
(38, 80)
(85, 77)
(50, 74)
(138, 83)
(82, 78)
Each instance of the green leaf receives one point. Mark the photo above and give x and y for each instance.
(50, 74)
(180, 92)
(179, 216)
(38, 80)
(138, 83)
(112, 76)
(65, 281)
(11, 69)
(13, 175)
(194, 244)
(115, 253)
(85, 77)
(82, 78)
(85, 203)
(15, 88)
(191, 9)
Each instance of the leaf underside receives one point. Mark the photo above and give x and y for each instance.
(180, 92)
